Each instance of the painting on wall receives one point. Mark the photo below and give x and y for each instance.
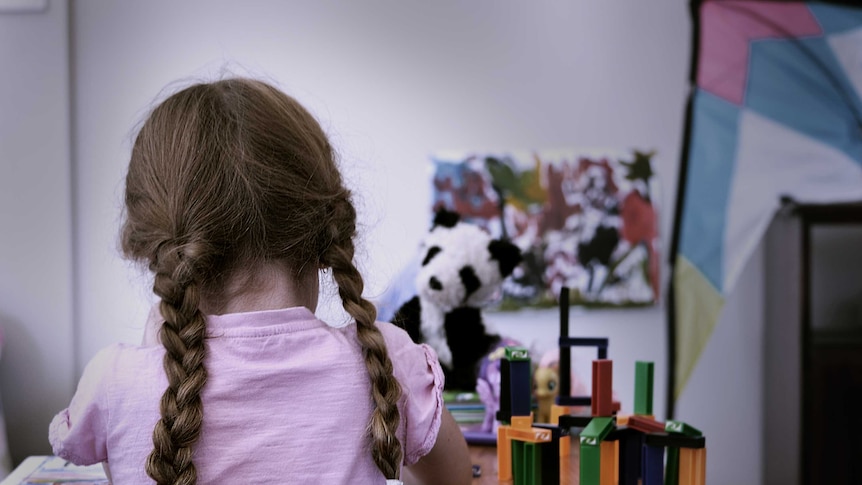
(583, 219)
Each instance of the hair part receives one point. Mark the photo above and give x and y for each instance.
(222, 174)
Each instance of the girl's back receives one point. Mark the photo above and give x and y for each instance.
(287, 396)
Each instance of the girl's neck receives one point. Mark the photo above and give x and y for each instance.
(268, 285)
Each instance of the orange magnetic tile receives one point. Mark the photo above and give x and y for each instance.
(608, 463)
(504, 453)
(692, 466)
(522, 422)
(557, 411)
(531, 435)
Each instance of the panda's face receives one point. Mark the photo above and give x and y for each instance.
(458, 267)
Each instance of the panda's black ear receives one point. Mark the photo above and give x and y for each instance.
(507, 255)
(445, 218)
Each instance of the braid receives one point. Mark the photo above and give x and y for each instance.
(385, 389)
(170, 462)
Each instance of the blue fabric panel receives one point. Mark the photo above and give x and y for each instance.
(799, 83)
(836, 19)
(711, 159)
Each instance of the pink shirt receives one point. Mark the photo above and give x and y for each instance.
(287, 400)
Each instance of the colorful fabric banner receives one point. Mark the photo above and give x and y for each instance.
(775, 112)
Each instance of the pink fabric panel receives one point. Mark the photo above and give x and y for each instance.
(727, 29)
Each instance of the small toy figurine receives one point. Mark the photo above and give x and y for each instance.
(546, 385)
(545, 389)
(462, 269)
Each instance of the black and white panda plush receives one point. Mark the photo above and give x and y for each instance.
(462, 269)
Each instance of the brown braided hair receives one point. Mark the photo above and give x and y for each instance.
(223, 174)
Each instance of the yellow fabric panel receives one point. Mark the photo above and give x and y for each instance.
(698, 305)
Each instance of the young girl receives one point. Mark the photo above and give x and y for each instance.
(234, 201)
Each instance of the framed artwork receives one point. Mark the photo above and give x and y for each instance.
(583, 219)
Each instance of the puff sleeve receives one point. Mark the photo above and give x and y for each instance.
(79, 433)
(418, 371)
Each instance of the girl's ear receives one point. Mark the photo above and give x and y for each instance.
(507, 255)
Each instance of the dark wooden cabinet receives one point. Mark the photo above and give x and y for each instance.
(813, 346)
(833, 419)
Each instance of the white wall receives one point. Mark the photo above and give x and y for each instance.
(724, 395)
(392, 83)
(36, 308)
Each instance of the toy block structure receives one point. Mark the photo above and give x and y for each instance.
(643, 388)
(615, 449)
(566, 343)
(692, 451)
(599, 456)
(629, 450)
(514, 372)
(537, 461)
(596, 459)
(526, 454)
(601, 403)
(565, 400)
